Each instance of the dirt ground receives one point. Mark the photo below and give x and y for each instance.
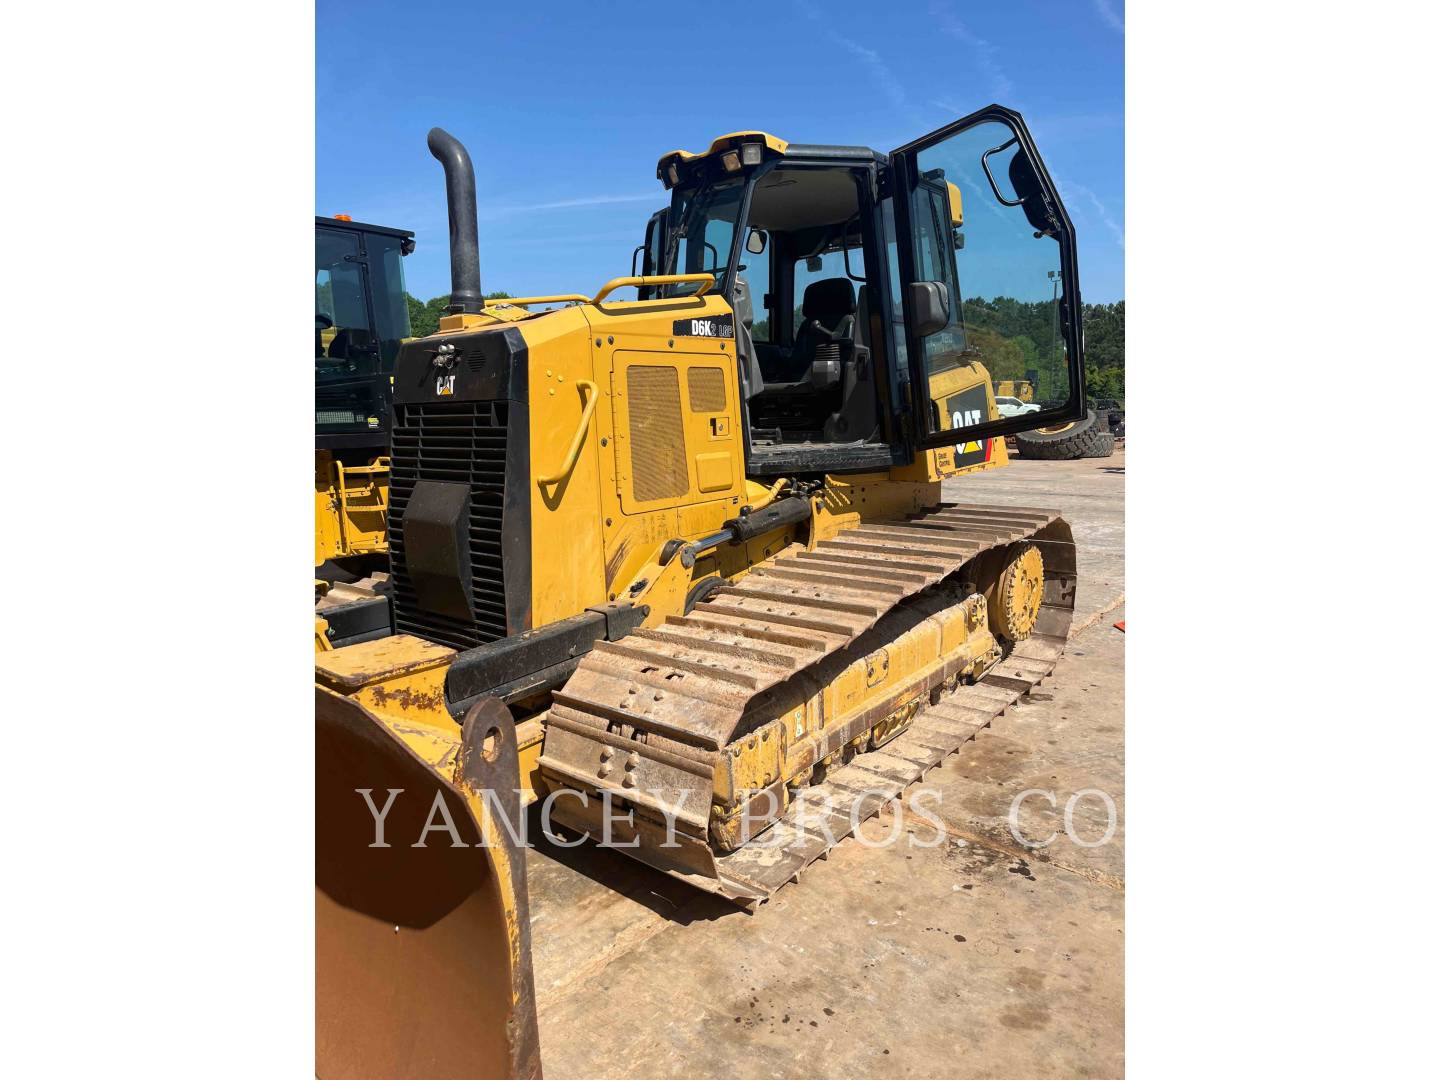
(955, 951)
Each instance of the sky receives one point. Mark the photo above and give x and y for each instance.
(566, 107)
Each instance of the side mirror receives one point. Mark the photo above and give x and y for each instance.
(755, 242)
(930, 301)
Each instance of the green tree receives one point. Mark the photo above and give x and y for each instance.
(1015, 338)
(425, 316)
(1105, 350)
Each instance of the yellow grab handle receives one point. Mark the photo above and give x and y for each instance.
(707, 280)
(525, 301)
(573, 454)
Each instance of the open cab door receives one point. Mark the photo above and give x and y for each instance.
(988, 284)
(651, 254)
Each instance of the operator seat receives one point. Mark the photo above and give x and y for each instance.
(350, 343)
(829, 313)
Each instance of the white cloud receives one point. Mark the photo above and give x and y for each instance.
(1101, 210)
(1109, 17)
(566, 204)
(1001, 88)
(879, 70)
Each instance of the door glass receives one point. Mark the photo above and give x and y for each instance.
(896, 315)
(392, 312)
(754, 270)
(980, 227)
(654, 243)
(343, 343)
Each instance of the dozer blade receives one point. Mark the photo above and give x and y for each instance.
(679, 716)
(422, 954)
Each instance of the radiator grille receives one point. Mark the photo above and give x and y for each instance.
(707, 390)
(337, 416)
(657, 437)
(335, 405)
(460, 442)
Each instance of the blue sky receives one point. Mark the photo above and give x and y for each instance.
(565, 108)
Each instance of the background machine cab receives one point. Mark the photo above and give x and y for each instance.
(361, 316)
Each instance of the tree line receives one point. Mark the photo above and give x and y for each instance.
(1020, 340)
(425, 314)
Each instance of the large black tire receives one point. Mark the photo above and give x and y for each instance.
(1084, 438)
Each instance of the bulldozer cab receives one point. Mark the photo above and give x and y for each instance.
(361, 316)
(878, 298)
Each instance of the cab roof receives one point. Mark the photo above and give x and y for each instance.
(774, 147)
(726, 142)
(360, 226)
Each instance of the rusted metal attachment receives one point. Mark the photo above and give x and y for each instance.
(422, 927)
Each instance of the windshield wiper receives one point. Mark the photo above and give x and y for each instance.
(682, 230)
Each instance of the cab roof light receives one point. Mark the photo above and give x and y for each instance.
(731, 160)
(750, 152)
(342, 217)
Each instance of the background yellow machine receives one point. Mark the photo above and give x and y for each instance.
(686, 556)
(361, 316)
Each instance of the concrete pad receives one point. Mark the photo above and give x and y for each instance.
(1068, 737)
(588, 905)
(886, 961)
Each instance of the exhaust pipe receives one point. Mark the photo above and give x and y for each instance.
(465, 295)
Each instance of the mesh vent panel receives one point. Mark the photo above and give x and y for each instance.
(657, 438)
(707, 390)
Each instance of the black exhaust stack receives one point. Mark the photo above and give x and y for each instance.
(465, 295)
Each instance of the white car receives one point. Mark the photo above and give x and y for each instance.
(1013, 406)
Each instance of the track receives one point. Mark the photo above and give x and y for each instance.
(659, 710)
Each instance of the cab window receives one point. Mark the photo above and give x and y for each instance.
(701, 242)
(342, 319)
(754, 270)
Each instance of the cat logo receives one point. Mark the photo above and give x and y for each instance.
(444, 385)
(967, 409)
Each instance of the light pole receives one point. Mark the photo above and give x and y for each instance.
(1054, 276)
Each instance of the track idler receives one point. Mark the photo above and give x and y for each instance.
(1016, 591)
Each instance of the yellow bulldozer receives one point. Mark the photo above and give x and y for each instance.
(679, 567)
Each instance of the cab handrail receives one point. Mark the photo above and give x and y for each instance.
(523, 301)
(707, 281)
